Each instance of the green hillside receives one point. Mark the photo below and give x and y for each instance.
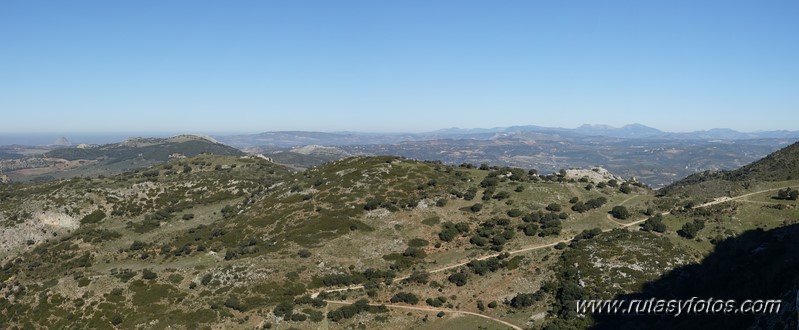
(147, 148)
(218, 241)
(782, 165)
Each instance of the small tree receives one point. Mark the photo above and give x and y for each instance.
(554, 207)
(476, 207)
(136, 245)
(654, 224)
(405, 297)
(787, 194)
(148, 274)
(626, 188)
(691, 229)
(304, 253)
(459, 279)
(620, 212)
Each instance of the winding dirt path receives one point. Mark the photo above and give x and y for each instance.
(431, 309)
(718, 200)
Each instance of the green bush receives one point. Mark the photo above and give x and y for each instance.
(514, 213)
(148, 274)
(405, 297)
(476, 207)
(94, 217)
(691, 229)
(459, 279)
(654, 224)
(620, 212)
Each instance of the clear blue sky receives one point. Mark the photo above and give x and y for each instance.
(250, 66)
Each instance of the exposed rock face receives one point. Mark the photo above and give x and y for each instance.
(4, 178)
(320, 150)
(39, 227)
(596, 174)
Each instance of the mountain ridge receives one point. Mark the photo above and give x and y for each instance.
(629, 131)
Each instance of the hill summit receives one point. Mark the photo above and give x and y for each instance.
(780, 165)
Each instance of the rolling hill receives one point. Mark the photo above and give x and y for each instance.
(782, 165)
(114, 158)
(216, 241)
(147, 148)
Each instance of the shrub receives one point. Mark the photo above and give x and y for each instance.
(525, 299)
(451, 230)
(148, 274)
(476, 207)
(93, 217)
(654, 224)
(787, 194)
(233, 302)
(459, 279)
(514, 213)
(206, 279)
(136, 245)
(419, 277)
(620, 212)
(437, 302)
(405, 297)
(284, 309)
(691, 229)
(418, 242)
(414, 252)
(554, 207)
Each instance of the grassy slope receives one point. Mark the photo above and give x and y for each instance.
(236, 258)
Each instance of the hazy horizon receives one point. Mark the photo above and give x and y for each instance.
(46, 138)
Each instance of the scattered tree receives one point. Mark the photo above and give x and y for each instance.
(691, 229)
(459, 279)
(620, 212)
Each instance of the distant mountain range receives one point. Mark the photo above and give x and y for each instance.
(285, 139)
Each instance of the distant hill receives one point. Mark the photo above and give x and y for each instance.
(627, 131)
(157, 149)
(302, 157)
(781, 165)
(631, 131)
(107, 159)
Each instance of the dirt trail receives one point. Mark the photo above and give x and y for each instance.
(431, 309)
(718, 200)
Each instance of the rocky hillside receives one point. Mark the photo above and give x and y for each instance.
(239, 242)
(147, 148)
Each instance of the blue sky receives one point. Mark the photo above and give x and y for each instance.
(390, 66)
